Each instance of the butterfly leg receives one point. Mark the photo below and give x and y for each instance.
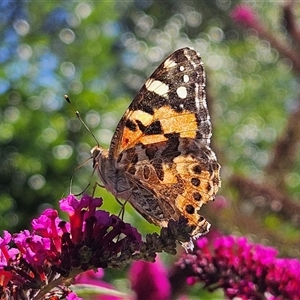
(122, 210)
(79, 194)
(97, 184)
(72, 177)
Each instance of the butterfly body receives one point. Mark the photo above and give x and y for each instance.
(159, 159)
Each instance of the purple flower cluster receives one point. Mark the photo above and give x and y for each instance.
(41, 263)
(242, 269)
(56, 250)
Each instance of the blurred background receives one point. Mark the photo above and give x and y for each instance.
(101, 52)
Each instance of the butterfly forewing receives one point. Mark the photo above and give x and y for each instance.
(173, 96)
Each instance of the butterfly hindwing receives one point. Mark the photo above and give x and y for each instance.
(171, 178)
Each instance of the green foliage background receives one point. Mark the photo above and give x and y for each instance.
(100, 53)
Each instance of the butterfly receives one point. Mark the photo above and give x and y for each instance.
(160, 159)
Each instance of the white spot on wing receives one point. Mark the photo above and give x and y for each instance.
(181, 92)
(169, 63)
(157, 87)
(186, 78)
(181, 68)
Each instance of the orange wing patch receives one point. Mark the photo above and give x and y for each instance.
(146, 128)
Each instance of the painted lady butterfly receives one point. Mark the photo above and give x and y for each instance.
(159, 159)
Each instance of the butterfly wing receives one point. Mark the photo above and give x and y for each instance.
(171, 101)
(172, 179)
(162, 142)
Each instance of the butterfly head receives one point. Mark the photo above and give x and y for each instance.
(98, 154)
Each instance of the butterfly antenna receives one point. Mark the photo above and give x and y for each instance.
(88, 129)
(80, 119)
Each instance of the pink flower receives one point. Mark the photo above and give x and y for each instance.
(44, 260)
(243, 13)
(57, 249)
(95, 279)
(242, 269)
(149, 280)
(72, 296)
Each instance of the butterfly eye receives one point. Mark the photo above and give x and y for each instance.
(96, 153)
